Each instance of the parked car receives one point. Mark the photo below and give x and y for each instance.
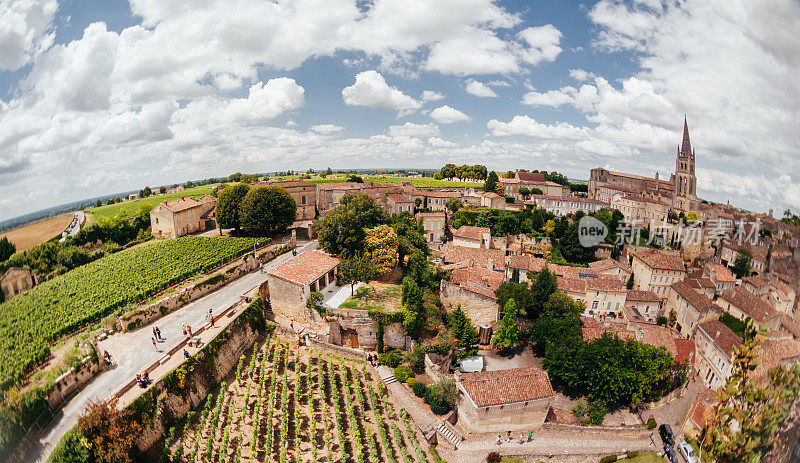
(687, 451)
(468, 364)
(666, 434)
(669, 454)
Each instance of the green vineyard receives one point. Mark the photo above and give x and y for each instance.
(32, 320)
(288, 405)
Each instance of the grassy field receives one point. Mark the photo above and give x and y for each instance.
(131, 208)
(32, 321)
(386, 297)
(36, 233)
(646, 457)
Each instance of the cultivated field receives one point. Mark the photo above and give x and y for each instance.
(131, 208)
(32, 320)
(291, 405)
(28, 236)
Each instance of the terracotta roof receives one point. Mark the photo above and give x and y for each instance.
(440, 194)
(306, 267)
(658, 336)
(180, 205)
(604, 284)
(697, 300)
(686, 351)
(396, 198)
(608, 263)
(286, 184)
(775, 352)
(573, 285)
(503, 387)
(749, 303)
(723, 336)
(479, 280)
(702, 410)
(431, 215)
(527, 263)
(636, 295)
(469, 257)
(654, 258)
(790, 325)
(537, 177)
(755, 281)
(593, 330)
(721, 273)
(470, 232)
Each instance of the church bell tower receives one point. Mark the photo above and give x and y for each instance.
(684, 197)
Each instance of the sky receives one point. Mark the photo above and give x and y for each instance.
(103, 96)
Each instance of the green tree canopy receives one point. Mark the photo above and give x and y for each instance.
(560, 319)
(381, 244)
(341, 232)
(355, 269)
(410, 236)
(454, 204)
(229, 204)
(742, 262)
(266, 210)
(491, 182)
(542, 287)
(462, 328)
(7, 249)
(507, 334)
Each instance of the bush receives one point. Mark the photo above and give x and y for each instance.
(411, 381)
(403, 372)
(493, 457)
(391, 358)
(419, 389)
(632, 455)
(608, 459)
(438, 406)
(596, 413)
(651, 423)
(579, 409)
(71, 448)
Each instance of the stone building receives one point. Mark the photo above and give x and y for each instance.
(599, 295)
(472, 237)
(397, 203)
(722, 278)
(16, 280)
(656, 270)
(513, 400)
(303, 193)
(531, 180)
(715, 343)
(173, 219)
(690, 306)
(291, 283)
(612, 267)
(645, 304)
(434, 225)
(565, 205)
(474, 290)
(741, 303)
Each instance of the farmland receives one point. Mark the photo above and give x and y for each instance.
(288, 405)
(131, 208)
(30, 322)
(33, 234)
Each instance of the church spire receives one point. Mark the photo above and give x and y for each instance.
(686, 146)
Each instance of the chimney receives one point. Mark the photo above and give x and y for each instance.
(717, 335)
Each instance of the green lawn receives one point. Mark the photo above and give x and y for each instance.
(131, 208)
(386, 298)
(646, 457)
(510, 460)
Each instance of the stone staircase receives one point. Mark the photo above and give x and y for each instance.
(450, 433)
(386, 375)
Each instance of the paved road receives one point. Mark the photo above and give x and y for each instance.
(133, 352)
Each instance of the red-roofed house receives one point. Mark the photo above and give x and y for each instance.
(690, 306)
(646, 304)
(655, 270)
(715, 343)
(472, 237)
(610, 266)
(504, 400)
(601, 296)
(179, 217)
(723, 278)
(741, 303)
(473, 288)
(291, 283)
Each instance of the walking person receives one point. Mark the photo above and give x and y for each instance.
(158, 334)
(212, 321)
(155, 332)
(189, 329)
(499, 439)
(530, 436)
(521, 438)
(154, 343)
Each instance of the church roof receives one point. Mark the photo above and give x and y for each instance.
(686, 145)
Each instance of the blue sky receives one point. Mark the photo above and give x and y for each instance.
(101, 96)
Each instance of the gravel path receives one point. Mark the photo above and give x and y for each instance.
(133, 352)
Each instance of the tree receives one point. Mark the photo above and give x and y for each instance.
(524, 192)
(519, 293)
(507, 334)
(98, 203)
(7, 249)
(629, 284)
(381, 244)
(266, 210)
(162, 189)
(355, 269)
(454, 204)
(111, 432)
(536, 191)
(341, 232)
(462, 328)
(355, 178)
(515, 275)
(742, 262)
(571, 248)
(561, 319)
(229, 205)
(147, 191)
(491, 182)
(410, 236)
(411, 300)
(542, 287)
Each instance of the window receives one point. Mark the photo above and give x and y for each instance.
(303, 199)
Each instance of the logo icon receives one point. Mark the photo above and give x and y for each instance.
(591, 231)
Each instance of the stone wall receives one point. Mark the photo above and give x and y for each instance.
(356, 329)
(72, 380)
(515, 417)
(202, 378)
(481, 309)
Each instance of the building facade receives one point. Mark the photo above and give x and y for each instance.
(16, 280)
(180, 217)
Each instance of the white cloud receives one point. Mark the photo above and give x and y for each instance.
(543, 43)
(499, 83)
(479, 89)
(410, 129)
(430, 95)
(266, 101)
(371, 89)
(441, 143)
(447, 115)
(526, 126)
(326, 129)
(25, 31)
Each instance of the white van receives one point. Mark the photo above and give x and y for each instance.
(468, 364)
